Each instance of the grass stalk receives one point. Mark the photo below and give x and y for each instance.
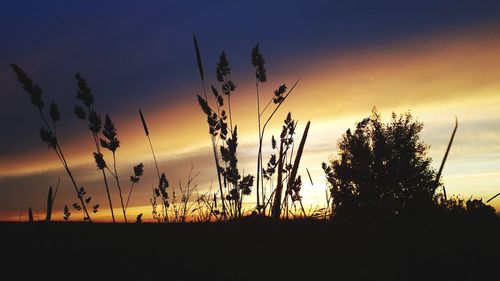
(262, 132)
(212, 138)
(138, 172)
(296, 163)
(146, 131)
(259, 154)
(438, 176)
(119, 187)
(51, 197)
(49, 136)
(276, 207)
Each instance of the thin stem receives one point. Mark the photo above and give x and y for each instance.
(119, 187)
(268, 103)
(65, 164)
(109, 195)
(262, 131)
(279, 105)
(230, 115)
(204, 90)
(216, 158)
(128, 197)
(95, 136)
(60, 154)
(154, 157)
(259, 155)
(57, 188)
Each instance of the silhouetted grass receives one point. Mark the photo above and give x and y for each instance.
(48, 133)
(112, 144)
(51, 197)
(211, 121)
(161, 190)
(138, 172)
(94, 123)
(146, 131)
(438, 176)
(231, 190)
(287, 169)
(186, 208)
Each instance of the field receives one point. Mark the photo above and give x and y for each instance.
(254, 249)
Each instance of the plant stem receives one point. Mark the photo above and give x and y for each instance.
(262, 131)
(128, 197)
(445, 157)
(154, 157)
(259, 154)
(60, 154)
(216, 157)
(119, 187)
(276, 208)
(230, 115)
(109, 195)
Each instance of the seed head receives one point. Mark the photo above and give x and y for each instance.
(54, 112)
(29, 86)
(258, 62)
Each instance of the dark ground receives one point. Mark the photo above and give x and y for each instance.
(451, 249)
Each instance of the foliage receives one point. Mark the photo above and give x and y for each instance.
(382, 169)
(48, 133)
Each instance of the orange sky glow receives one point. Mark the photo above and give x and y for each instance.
(436, 77)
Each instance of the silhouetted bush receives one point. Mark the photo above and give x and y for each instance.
(382, 170)
(457, 207)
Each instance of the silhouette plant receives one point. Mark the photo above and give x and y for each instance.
(48, 133)
(186, 208)
(493, 197)
(285, 169)
(94, 124)
(146, 131)
(221, 131)
(382, 170)
(161, 190)
(295, 182)
(138, 172)
(207, 207)
(279, 97)
(472, 208)
(438, 176)
(30, 215)
(212, 121)
(138, 218)
(236, 188)
(51, 197)
(67, 213)
(112, 144)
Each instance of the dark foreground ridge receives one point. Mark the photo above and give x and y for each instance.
(456, 248)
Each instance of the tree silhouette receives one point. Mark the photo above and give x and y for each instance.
(382, 170)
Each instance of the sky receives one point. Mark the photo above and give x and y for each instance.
(437, 60)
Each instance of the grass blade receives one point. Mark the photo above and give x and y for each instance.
(198, 57)
(144, 123)
(445, 157)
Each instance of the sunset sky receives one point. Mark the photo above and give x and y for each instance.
(438, 60)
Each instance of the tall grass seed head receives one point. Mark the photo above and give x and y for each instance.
(54, 112)
(29, 86)
(99, 160)
(84, 93)
(258, 62)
